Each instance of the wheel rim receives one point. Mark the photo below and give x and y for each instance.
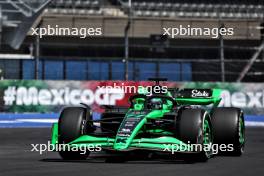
(207, 139)
(241, 131)
(207, 136)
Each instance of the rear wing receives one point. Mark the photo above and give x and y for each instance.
(196, 96)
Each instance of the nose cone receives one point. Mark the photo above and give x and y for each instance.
(121, 143)
(129, 128)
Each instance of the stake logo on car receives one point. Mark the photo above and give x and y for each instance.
(197, 93)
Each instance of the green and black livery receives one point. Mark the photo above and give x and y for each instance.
(166, 122)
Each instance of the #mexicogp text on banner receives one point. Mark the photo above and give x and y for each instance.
(50, 96)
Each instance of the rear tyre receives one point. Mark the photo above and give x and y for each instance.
(73, 124)
(194, 127)
(229, 129)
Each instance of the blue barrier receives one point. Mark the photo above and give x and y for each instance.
(254, 118)
(9, 120)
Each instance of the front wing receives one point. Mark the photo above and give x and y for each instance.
(163, 144)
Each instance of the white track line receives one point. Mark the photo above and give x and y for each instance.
(256, 124)
(247, 123)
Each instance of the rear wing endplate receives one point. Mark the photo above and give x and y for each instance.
(197, 96)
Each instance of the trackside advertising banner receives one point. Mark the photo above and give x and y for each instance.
(50, 96)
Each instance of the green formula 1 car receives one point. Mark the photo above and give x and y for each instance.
(177, 122)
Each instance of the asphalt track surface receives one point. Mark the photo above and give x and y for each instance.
(17, 159)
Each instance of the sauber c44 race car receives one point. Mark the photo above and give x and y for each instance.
(180, 122)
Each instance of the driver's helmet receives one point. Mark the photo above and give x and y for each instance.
(156, 103)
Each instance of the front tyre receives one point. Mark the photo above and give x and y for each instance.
(72, 124)
(194, 127)
(229, 129)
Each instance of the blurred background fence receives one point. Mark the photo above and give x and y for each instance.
(146, 53)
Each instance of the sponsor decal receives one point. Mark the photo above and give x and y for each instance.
(199, 93)
(63, 96)
(51, 96)
(194, 93)
(128, 125)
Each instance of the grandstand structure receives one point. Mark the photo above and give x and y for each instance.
(16, 18)
(239, 57)
(166, 8)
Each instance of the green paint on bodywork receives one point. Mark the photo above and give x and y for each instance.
(198, 101)
(54, 135)
(215, 99)
(156, 114)
(207, 139)
(241, 131)
(161, 143)
(124, 141)
(160, 132)
(165, 143)
(86, 139)
(139, 104)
